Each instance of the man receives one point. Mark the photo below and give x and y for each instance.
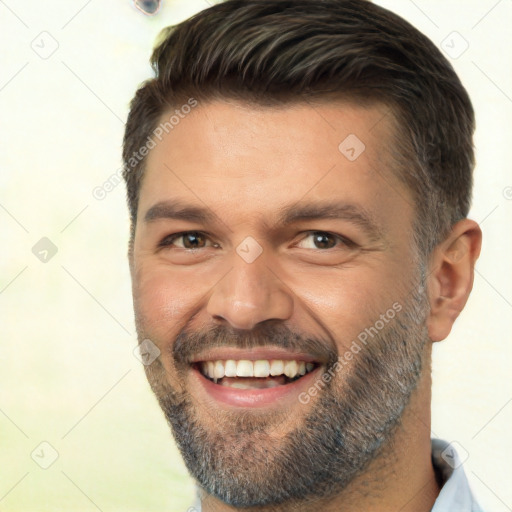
(299, 176)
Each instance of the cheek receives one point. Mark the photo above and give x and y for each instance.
(347, 302)
(163, 302)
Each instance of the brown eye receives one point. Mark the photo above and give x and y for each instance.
(322, 240)
(193, 240)
(189, 240)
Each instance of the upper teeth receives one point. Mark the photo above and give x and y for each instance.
(261, 368)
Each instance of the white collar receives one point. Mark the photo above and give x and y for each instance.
(455, 495)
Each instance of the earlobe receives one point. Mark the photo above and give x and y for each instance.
(451, 275)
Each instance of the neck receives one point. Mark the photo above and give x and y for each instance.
(400, 478)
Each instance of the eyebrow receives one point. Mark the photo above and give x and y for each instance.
(332, 210)
(179, 211)
(286, 215)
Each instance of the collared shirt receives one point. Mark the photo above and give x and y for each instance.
(455, 495)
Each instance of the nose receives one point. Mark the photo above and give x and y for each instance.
(250, 293)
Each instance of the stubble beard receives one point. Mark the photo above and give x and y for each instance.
(239, 458)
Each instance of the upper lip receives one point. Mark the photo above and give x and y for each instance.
(255, 354)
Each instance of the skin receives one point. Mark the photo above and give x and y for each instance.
(244, 163)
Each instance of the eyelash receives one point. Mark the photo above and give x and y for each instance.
(168, 240)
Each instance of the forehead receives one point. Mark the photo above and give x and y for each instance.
(250, 161)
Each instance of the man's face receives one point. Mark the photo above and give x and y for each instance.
(304, 247)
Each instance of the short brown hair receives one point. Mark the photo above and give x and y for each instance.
(283, 51)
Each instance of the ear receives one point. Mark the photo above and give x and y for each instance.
(451, 273)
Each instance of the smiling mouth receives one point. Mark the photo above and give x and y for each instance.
(259, 374)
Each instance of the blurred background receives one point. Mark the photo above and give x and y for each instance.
(79, 427)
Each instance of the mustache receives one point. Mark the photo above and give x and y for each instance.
(188, 344)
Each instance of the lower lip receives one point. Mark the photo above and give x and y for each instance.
(257, 397)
